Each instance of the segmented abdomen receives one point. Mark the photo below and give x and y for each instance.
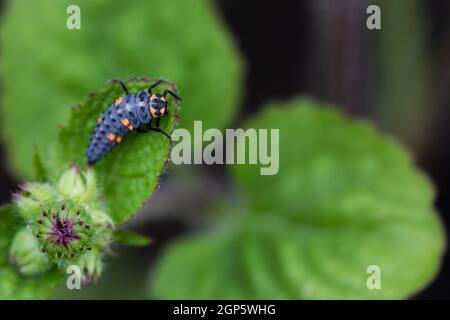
(114, 124)
(121, 117)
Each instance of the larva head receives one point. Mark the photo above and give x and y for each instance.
(158, 105)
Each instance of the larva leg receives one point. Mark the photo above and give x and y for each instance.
(158, 129)
(124, 88)
(157, 83)
(173, 94)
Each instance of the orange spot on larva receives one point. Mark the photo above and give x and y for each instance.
(111, 137)
(119, 101)
(153, 112)
(125, 122)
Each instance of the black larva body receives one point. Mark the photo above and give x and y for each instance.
(124, 115)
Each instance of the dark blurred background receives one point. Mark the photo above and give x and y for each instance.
(322, 48)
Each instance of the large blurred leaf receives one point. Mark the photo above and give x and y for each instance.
(129, 174)
(345, 198)
(47, 68)
(13, 285)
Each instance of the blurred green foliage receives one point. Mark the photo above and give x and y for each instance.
(131, 238)
(129, 174)
(13, 285)
(46, 68)
(39, 169)
(345, 198)
(404, 63)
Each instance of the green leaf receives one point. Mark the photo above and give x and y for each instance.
(40, 172)
(180, 40)
(131, 238)
(345, 198)
(129, 174)
(205, 267)
(13, 285)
